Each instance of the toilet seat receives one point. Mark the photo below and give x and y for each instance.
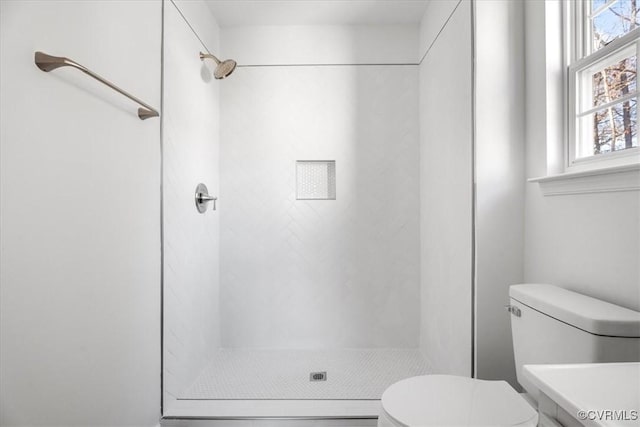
(447, 400)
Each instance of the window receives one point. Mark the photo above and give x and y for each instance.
(604, 42)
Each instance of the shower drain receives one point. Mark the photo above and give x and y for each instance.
(318, 376)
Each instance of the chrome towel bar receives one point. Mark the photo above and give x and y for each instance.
(48, 63)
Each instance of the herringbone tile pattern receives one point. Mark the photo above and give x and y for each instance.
(320, 274)
(191, 240)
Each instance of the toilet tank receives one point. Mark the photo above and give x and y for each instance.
(553, 325)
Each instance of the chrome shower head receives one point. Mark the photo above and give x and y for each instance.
(223, 68)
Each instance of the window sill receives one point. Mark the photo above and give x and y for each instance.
(605, 180)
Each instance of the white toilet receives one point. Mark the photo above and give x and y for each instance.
(549, 325)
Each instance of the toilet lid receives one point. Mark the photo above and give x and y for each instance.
(446, 400)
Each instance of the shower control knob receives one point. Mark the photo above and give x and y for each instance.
(203, 197)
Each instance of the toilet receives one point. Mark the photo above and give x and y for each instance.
(448, 400)
(544, 319)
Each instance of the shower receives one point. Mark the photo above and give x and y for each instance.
(223, 68)
(298, 296)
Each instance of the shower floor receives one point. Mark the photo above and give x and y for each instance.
(358, 374)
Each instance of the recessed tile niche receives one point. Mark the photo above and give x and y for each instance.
(316, 180)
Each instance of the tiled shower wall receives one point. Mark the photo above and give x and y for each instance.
(191, 240)
(320, 273)
(446, 186)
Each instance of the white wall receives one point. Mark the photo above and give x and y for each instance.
(320, 274)
(499, 109)
(446, 192)
(80, 216)
(321, 44)
(435, 18)
(589, 243)
(191, 155)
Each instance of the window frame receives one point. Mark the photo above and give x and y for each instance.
(579, 58)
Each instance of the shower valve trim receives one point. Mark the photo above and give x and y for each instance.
(203, 197)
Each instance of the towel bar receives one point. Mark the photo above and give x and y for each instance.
(48, 63)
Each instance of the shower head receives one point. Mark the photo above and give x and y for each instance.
(223, 68)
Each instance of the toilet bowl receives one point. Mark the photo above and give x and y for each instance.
(447, 400)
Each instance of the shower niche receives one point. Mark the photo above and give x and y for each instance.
(316, 180)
